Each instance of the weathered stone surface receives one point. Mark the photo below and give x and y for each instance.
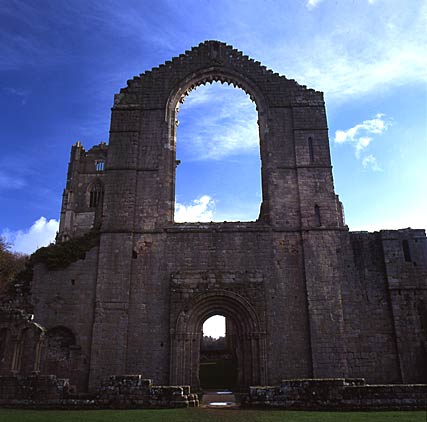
(337, 394)
(124, 391)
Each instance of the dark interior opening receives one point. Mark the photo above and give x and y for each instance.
(218, 360)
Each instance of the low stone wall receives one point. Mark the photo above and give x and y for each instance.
(118, 392)
(337, 394)
(133, 391)
(32, 388)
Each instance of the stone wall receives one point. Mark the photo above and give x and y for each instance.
(22, 389)
(133, 391)
(64, 302)
(370, 334)
(385, 307)
(118, 392)
(407, 283)
(337, 394)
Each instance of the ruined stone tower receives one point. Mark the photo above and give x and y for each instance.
(304, 296)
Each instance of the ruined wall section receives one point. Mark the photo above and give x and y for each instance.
(385, 306)
(370, 331)
(66, 299)
(324, 251)
(222, 249)
(139, 205)
(405, 257)
(82, 198)
(229, 249)
(283, 107)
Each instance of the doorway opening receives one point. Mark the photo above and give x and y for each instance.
(218, 358)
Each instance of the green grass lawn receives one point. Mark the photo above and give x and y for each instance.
(204, 415)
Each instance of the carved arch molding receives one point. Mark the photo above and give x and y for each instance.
(195, 297)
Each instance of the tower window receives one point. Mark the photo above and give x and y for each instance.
(406, 251)
(317, 219)
(99, 165)
(96, 195)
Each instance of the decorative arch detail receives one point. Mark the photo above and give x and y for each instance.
(21, 343)
(187, 334)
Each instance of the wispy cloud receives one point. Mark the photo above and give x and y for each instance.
(11, 182)
(200, 209)
(18, 92)
(363, 49)
(371, 162)
(225, 124)
(360, 137)
(41, 233)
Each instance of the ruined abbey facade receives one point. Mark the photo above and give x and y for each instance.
(303, 296)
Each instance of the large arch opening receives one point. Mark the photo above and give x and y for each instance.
(218, 173)
(246, 341)
(238, 162)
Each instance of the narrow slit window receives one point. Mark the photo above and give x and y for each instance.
(317, 219)
(310, 149)
(406, 251)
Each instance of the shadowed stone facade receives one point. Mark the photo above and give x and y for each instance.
(304, 296)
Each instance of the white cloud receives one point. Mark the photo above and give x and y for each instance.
(358, 136)
(200, 209)
(371, 161)
(311, 4)
(41, 233)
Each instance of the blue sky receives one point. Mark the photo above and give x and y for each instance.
(61, 63)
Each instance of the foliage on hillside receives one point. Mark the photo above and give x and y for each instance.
(11, 264)
(57, 256)
(16, 270)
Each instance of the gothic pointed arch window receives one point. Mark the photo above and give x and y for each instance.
(96, 194)
(217, 140)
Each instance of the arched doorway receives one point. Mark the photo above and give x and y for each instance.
(248, 342)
